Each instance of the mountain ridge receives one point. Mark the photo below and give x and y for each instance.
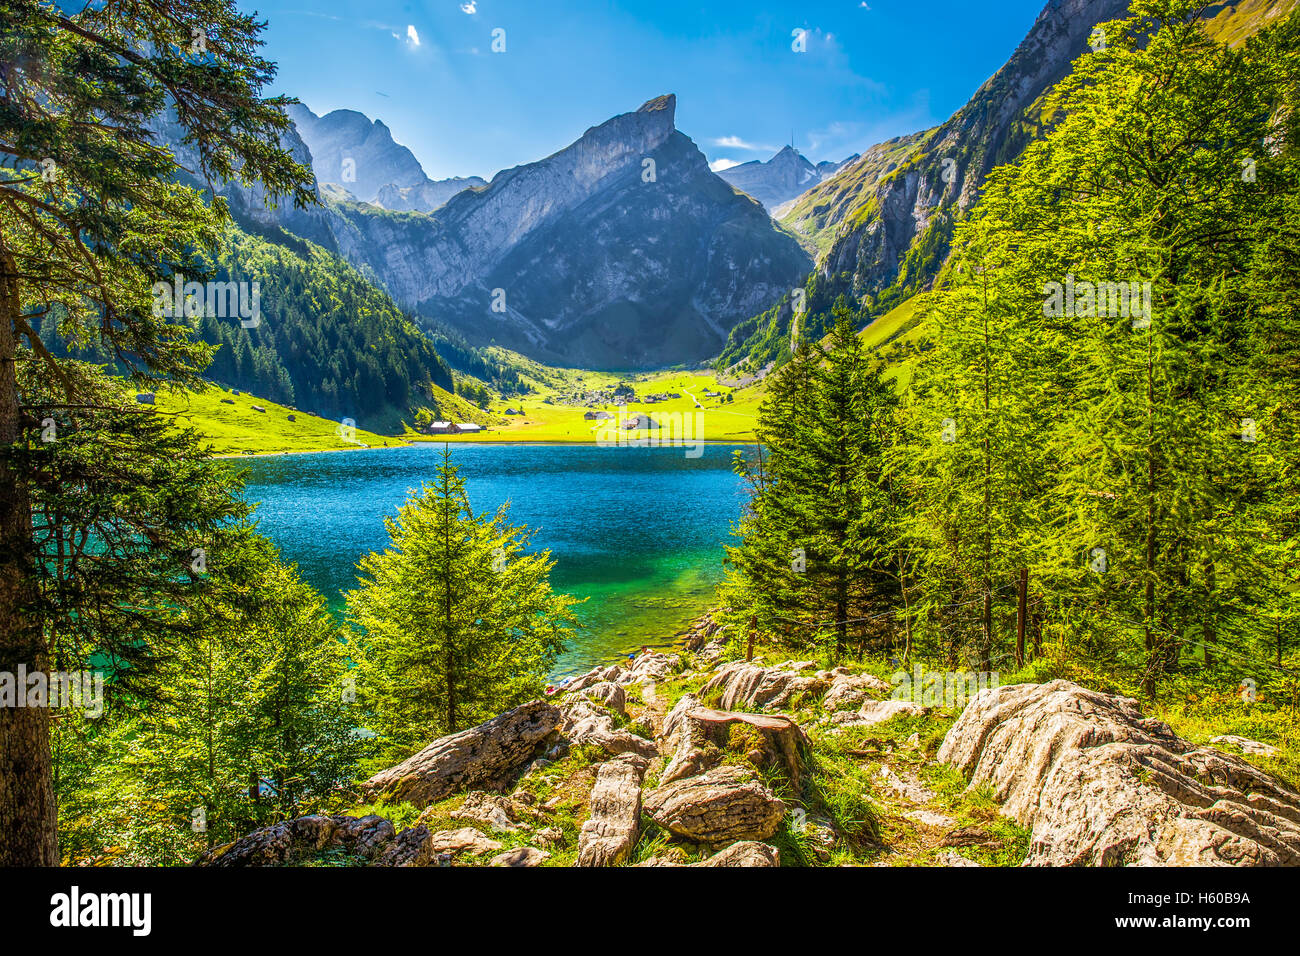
(358, 154)
(881, 226)
(781, 179)
(620, 250)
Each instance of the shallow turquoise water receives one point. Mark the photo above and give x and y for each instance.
(637, 531)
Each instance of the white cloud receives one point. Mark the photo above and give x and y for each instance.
(718, 165)
(471, 8)
(412, 38)
(735, 142)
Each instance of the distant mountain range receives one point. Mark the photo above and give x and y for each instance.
(622, 250)
(881, 225)
(780, 179)
(359, 156)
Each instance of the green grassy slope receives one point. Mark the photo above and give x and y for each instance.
(236, 428)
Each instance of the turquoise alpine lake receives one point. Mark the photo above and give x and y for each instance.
(638, 532)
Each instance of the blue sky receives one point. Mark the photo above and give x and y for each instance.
(871, 70)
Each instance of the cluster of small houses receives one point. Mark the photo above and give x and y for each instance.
(454, 428)
(632, 422)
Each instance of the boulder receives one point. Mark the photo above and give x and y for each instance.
(719, 806)
(520, 856)
(701, 632)
(1097, 783)
(550, 836)
(701, 736)
(592, 677)
(412, 847)
(585, 723)
(751, 687)
(1245, 745)
(490, 810)
(949, 858)
(875, 712)
(484, 756)
(292, 840)
(465, 840)
(745, 853)
(610, 833)
(605, 693)
(652, 666)
(848, 691)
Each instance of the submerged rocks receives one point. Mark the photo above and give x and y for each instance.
(610, 833)
(719, 806)
(1099, 784)
(481, 756)
(745, 686)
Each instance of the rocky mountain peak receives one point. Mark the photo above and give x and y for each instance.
(780, 179)
(577, 246)
(662, 104)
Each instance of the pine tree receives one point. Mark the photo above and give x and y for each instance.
(459, 620)
(90, 218)
(815, 554)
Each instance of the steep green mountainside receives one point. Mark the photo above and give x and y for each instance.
(881, 226)
(327, 341)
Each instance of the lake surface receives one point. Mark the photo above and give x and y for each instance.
(639, 532)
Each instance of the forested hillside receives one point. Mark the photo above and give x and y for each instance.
(882, 227)
(328, 341)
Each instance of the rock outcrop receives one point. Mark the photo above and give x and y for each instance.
(1100, 784)
(464, 840)
(745, 853)
(852, 690)
(746, 686)
(365, 838)
(482, 756)
(877, 712)
(719, 806)
(700, 737)
(586, 723)
(611, 831)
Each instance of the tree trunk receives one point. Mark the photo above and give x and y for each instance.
(1022, 612)
(28, 812)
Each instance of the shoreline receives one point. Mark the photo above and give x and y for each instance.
(415, 442)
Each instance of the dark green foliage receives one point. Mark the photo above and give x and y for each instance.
(813, 563)
(459, 620)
